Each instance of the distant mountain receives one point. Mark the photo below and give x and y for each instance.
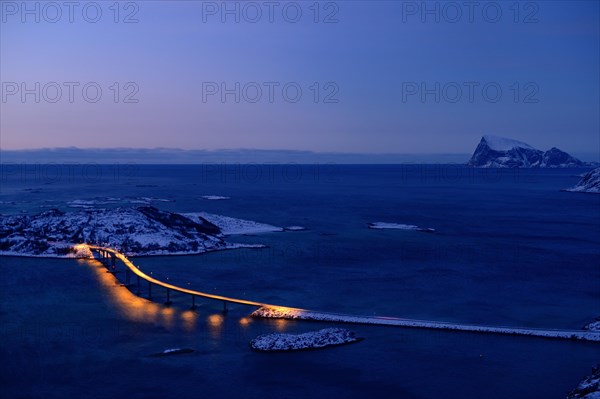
(589, 183)
(555, 158)
(502, 152)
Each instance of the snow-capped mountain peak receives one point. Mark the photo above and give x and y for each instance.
(498, 143)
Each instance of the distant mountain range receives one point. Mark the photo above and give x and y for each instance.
(240, 156)
(248, 156)
(502, 152)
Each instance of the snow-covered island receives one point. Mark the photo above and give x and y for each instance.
(589, 388)
(171, 352)
(502, 152)
(589, 183)
(215, 197)
(294, 228)
(398, 226)
(135, 231)
(327, 337)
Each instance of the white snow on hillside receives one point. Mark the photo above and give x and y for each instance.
(139, 231)
(498, 143)
(589, 183)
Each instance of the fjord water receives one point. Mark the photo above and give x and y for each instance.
(509, 249)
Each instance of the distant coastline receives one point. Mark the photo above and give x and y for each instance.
(258, 156)
(180, 156)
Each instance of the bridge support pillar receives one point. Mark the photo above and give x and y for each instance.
(138, 286)
(168, 297)
(225, 307)
(193, 302)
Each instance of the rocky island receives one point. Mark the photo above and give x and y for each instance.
(502, 152)
(589, 183)
(311, 340)
(139, 231)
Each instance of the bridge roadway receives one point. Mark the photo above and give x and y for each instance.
(159, 283)
(275, 311)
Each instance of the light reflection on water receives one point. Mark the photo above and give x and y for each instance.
(137, 309)
(215, 324)
(188, 320)
(281, 325)
(245, 321)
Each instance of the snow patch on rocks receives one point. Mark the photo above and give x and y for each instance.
(589, 183)
(589, 388)
(498, 143)
(294, 228)
(171, 352)
(214, 197)
(135, 231)
(593, 325)
(398, 226)
(327, 337)
(233, 226)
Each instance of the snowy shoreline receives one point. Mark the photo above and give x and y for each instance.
(141, 231)
(589, 387)
(229, 247)
(233, 226)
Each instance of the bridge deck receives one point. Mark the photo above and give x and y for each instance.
(281, 312)
(152, 280)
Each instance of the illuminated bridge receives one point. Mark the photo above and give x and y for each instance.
(109, 257)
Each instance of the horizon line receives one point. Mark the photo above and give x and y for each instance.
(178, 149)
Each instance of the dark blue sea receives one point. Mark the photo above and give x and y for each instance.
(510, 249)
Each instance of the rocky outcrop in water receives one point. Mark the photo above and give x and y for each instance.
(589, 388)
(311, 340)
(589, 183)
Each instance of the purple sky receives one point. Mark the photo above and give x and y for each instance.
(371, 67)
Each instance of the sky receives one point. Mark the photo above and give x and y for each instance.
(345, 76)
